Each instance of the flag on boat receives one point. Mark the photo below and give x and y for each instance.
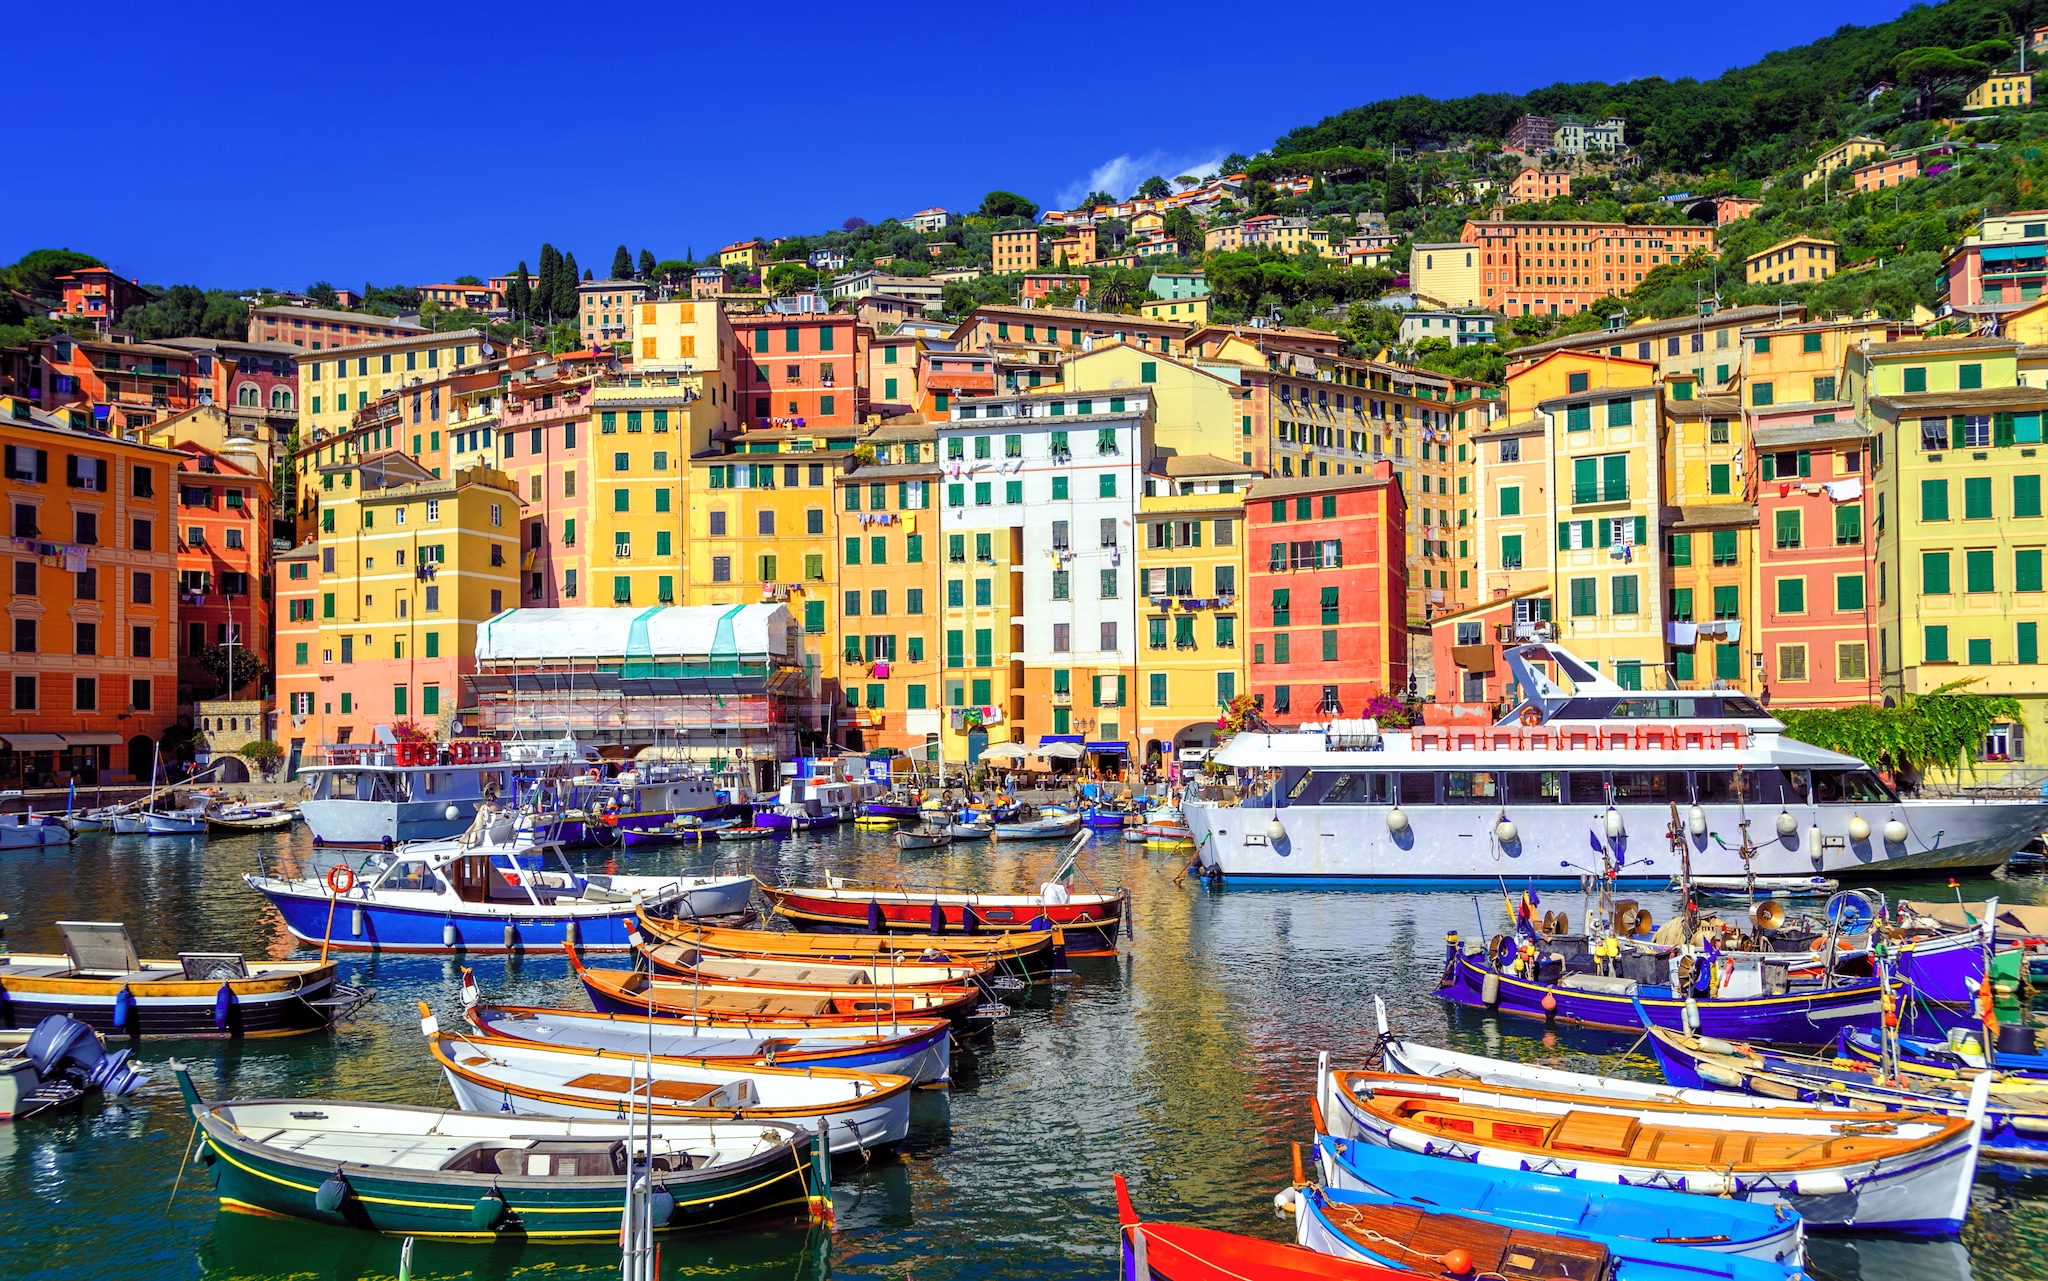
(1593, 839)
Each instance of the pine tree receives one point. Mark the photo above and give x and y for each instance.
(520, 296)
(646, 264)
(622, 264)
(564, 300)
(550, 273)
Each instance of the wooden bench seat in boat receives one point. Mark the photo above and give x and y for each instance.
(1413, 1238)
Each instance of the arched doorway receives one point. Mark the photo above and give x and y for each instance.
(230, 769)
(140, 749)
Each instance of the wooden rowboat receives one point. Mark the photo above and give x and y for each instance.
(691, 964)
(636, 992)
(1091, 921)
(1024, 952)
(1173, 1252)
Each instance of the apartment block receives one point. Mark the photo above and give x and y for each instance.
(1556, 268)
(1191, 572)
(886, 526)
(320, 329)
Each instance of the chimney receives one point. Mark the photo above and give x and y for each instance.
(1383, 469)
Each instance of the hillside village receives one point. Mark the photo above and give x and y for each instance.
(1729, 414)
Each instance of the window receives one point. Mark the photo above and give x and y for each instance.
(1977, 498)
(1680, 549)
(1511, 500)
(1977, 572)
(1791, 596)
(1848, 592)
(1727, 602)
(1761, 394)
(1978, 649)
(1511, 551)
(1681, 604)
(1585, 598)
(2027, 643)
(2026, 570)
(1848, 524)
(1725, 547)
(1934, 573)
(1622, 594)
(1791, 662)
(1934, 644)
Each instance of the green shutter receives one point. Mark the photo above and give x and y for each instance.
(1934, 500)
(1934, 573)
(2026, 495)
(1849, 593)
(1935, 644)
(1681, 549)
(2026, 570)
(2027, 643)
(1977, 498)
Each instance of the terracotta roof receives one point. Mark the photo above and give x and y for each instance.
(1703, 406)
(1653, 329)
(1201, 465)
(1509, 431)
(1287, 486)
(1715, 516)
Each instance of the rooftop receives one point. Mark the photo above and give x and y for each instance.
(1288, 487)
(1777, 437)
(1651, 329)
(322, 313)
(1715, 516)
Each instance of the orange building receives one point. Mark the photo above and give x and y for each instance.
(318, 329)
(91, 663)
(888, 592)
(1016, 250)
(1559, 268)
(126, 386)
(223, 532)
(1892, 171)
(1533, 184)
(101, 295)
(804, 366)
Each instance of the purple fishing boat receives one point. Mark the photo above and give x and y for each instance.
(1780, 1014)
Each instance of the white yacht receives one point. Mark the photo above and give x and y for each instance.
(387, 793)
(1572, 783)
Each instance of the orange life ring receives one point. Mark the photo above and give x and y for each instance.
(1532, 716)
(341, 878)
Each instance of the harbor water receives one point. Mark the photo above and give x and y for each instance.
(1185, 1063)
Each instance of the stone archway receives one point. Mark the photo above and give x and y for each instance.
(230, 769)
(141, 750)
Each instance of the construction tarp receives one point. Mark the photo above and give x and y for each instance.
(702, 632)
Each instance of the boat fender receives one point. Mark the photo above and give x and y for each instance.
(1285, 1201)
(661, 1205)
(317, 842)
(938, 915)
(1715, 1045)
(1409, 1141)
(329, 1196)
(384, 842)
(1692, 1014)
(511, 936)
(1709, 1183)
(1716, 1074)
(223, 1006)
(1895, 832)
(449, 936)
(430, 1027)
(874, 917)
(489, 1208)
(469, 992)
(1549, 1005)
(1819, 1185)
(124, 1006)
(1489, 990)
(569, 933)
(970, 920)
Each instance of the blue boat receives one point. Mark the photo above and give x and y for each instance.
(1423, 1237)
(482, 893)
(1958, 1055)
(1554, 1203)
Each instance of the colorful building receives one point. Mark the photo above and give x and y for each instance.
(1816, 614)
(886, 519)
(1709, 541)
(1186, 311)
(604, 311)
(801, 369)
(1891, 171)
(2006, 89)
(1448, 275)
(1325, 575)
(126, 386)
(295, 610)
(319, 329)
(1843, 155)
(100, 295)
(1041, 284)
(1063, 330)
(1021, 250)
(224, 590)
(1801, 259)
(1558, 268)
(2005, 260)
(1191, 574)
(1708, 347)
(91, 659)
(1538, 184)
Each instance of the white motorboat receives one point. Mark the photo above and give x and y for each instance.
(28, 831)
(1344, 803)
(185, 822)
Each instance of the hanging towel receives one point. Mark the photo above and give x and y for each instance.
(1845, 491)
(1682, 633)
(1734, 630)
(74, 560)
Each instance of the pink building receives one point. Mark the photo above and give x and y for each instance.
(1038, 284)
(1816, 556)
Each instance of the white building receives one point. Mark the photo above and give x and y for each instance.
(933, 219)
(1041, 600)
(1460, 329)
(1571, 137)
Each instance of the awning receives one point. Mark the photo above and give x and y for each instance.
(1060, 751)
(1043, 739)
(1003, 752)
(1477, 659)
(1109, 749)
(34, 742)
(93, 740)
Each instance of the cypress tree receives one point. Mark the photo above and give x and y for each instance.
(550, 272)
(564, 300)
(622, 264)
(646, 264)
(520, 296)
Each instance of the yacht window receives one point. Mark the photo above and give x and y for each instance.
(1763, 787)
(1300, 786)
(1359, 789)
(1833, 785)
(1658, 708)
(343, 788)
(1467, 787)
(1588, 787)
(1798, 787)
(1746, 708)
(1536, 786)
(1650, 786)
(1720, 786)
(1418, 789)
(411, 874)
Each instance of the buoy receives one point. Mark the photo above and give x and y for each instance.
(1787, 825)
(1276, 831)
(223, 1002)
(355, 922)
(1504, 831)
(1549, 1004)
(1692, 1014)
(451, 813)
(330, 1194)
(661, 1205)
(1859, 828)
(569, 933)
(124, 1006)
(1696, 818)
(1284, 1200)
(449, 937)
(1614, 827)
(1457, 1261)
(1397, 820)
(489, 1208)
(1489, 990)
(1895, 832)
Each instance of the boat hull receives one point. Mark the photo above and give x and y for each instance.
(1090, 922)
(1451, 847)
(170, 1009)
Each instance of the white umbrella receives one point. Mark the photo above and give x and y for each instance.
(1003, 752)
(1061, 751)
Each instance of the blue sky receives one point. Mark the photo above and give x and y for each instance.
(245, 145)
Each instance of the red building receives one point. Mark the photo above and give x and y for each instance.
(1327, 578)
(1816, 557)
(245, 376)
(126, 385)
(223, 526)
(804, 366)
(100, 295)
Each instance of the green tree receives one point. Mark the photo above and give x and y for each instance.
(548, 282)
(1006, 204)
(1097, 197)
(1154, 188)
(1181, 227)
(622, 264)
(646, 264)
(323, 294)
(261, 752)
(248, 668)
(186, 311)
(520, 296)
(563, 301)
(786, 278)
(466, 280)
(36, 272)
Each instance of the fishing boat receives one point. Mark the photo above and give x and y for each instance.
(24, 831)
(1176, 1252)
(234, 819)
(1420, 1236)
(969, 831)
(1960, 1055)
(1739, 887)
(922, 838)
(1899, 1173)
(1026, 954)
(57, 1063)
(1045, 827)
(745, 832)
(655, 791)
(185, 822)
(1535, 1199)
(99, 980)
(824, 792)
(638, 993)
(484, 893)
(685, 830)
(889, 975)
(1344, 802)
(99, 820)
(385, 793)
(921, 1049)
(432, 1172)
(898, 803)
(859, 1112)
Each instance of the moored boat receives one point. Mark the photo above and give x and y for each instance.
(1177, 1252)
(23, 831)
(57, 1063)
(100, 981)
(433, 1172)
(1009, 953)
(1046, 827)
(637, 992)
(859, 1111)
(885, 975)
(185, 822)
(233, 819)
(1090, 921)
(745, 832)
(685, 830)
(920, 1049)
(922, 838)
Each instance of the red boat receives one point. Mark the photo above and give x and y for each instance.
(1090, 922)
(1171, 1252)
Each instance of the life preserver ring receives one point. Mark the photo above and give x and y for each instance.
(1532, 716)
(341, 878)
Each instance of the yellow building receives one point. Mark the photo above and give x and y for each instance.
(333, 385)
(1015, 250)
(1512, 521)
(887, 605)
(1446, 274)
(1189, 311)
(892, 374)
(1843, 155)
(604, 311)
(1197, 410)
(746, 255)
(2006, 89)
(1191, 574)
(1800, 260)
